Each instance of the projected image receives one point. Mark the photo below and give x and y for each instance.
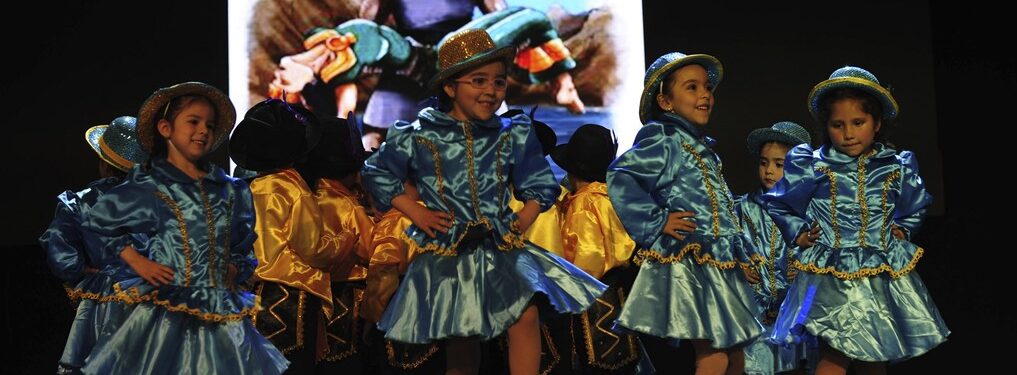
(577, 61)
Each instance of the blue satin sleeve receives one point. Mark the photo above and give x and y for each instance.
(242, 235)
(788, 201)
(386, 170)
(62, 240)
(913, 199)
(126, 214)
(532, 178)
(637, 183)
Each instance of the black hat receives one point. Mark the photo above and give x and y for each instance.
(588, 153)
(545, 134)
(273, 135)
(340, 151)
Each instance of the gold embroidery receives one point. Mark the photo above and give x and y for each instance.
(470, 165)
(714, 205)
(358, 295)
(185, 239)
(210, 220)
(885, 205)
(833, 204)
(437, 172)
(390, 350)
(863, 203)
(555, 357)
(497, 167)
(864, 272)
(77, 293)
(695, 248)
(229, 241)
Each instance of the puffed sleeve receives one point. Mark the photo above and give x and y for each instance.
(125, 214)
(532, 178)
(635, 183)
(909, 210)
(787, 202)
(62, 240)
(384, 172)
(596, 239)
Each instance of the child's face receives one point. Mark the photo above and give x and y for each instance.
(851, 130)
(191, 134)
(771, 163)
(470, 103)
(690, 95)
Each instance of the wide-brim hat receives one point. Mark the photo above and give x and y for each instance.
(273, 135)
(588, 153)
(785, 132)
(155, 107)
(855, 78)
(666, 64)
(117, 143)
(465, 50)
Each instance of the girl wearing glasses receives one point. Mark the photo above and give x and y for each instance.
(474, 276)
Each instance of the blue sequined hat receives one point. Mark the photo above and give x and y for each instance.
(856, 78)
(464, 50)
(785, 132)
(117, 143)
(663, 66)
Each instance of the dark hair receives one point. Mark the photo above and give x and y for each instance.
(109, 170)
(759, 152)
(669, 79)
(870, 105)
(173, 109)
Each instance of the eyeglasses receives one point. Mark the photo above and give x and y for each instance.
(480, 83)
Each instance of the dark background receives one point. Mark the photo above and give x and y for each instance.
(77, 64)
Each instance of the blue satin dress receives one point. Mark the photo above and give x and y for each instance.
(763, 357)
(197, 324)
(475, 280)
(69, 250)
(691, 288)
(856, 288)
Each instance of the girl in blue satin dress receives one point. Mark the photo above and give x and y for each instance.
(76, 256)
(185, 227)
(852, 206)
(770, 145)
(474, 275)
(689, 284)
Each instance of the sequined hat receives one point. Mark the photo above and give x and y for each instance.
(855, 78)
(117, 143)
(785, 132)
(155, 106)
(588, 153)
(464, 50)
(662, 67)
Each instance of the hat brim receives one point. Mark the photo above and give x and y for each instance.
(890, 107)
(759, 137)
(226, 114)
(94, 136)
(479, 59)
(648, 99)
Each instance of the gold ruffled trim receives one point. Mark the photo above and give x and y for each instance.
(864, 272)
(77, 294)
(133, 296)
(714, 202)
(656, 256)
